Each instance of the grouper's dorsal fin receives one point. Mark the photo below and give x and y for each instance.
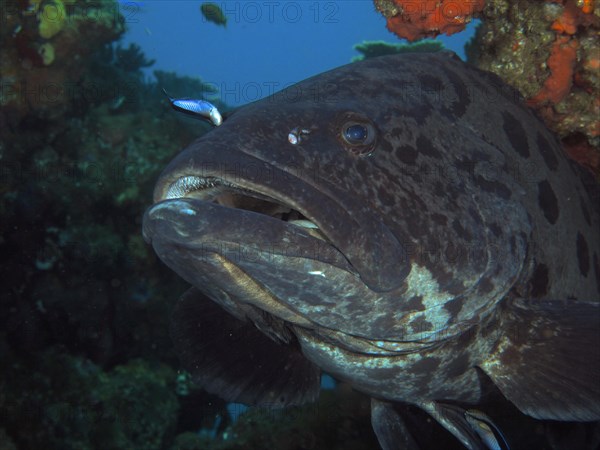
(547, 361)
(231, 358)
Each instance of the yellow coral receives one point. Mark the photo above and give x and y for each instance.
(52, 17)
(47, 52)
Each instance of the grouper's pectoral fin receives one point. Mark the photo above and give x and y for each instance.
(389, 427)
(231, 358)
(547, 361)
(393, 423)
(452, 417)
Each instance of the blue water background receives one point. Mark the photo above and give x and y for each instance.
(266, 45)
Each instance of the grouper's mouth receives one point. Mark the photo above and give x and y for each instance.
(225, 193)
(241, 244)
(290, 211)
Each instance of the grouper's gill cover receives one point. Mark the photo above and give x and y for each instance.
(423, 223)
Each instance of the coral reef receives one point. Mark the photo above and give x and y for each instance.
(44, 52)
(47, 52)
(57, 401)
(371, 49)
(416, 20)
(549, 52)
(84, 330)
(339, 420)
(131, 59)
(52, 18)
(561, 63)
(187, 86)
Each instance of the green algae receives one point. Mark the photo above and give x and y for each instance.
(371, 49)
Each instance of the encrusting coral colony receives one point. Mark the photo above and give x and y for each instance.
(548, 50)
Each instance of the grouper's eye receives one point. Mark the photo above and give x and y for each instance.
(357, 134)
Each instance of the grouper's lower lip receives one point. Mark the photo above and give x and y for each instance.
(203, 227)
(216, 248)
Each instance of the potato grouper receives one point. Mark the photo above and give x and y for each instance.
(424, 236)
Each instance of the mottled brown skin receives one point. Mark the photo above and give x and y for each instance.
(462, 205)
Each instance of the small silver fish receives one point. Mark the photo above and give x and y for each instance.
(196, 108)
(486, 429)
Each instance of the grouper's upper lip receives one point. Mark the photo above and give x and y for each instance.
(190, 183)
(205, 188)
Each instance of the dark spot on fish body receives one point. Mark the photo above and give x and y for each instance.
(516, 134)
(452, 255)
(423, 173)
(415, 226)
(413, 106)
(493, 87)
(539, 281)
(485, 286)
(460, 364)
(548, 202)
(426, 147)
(463, 100)
(462, 231)
(384, 323)
(493, 187)
(440, 219)
(439, 189)
(430, 87)
(396, 132)
(415, 303)
(407, 154)
(385, 147)
(547, 152)
(466, 165)
(585, 211)
(426, 365)
(495, 229)
(361, 166)
(368, 90)
(597, 270)
(475, 215)
(487, 91)
(383, 374)
(454, 307)
(418, 204)
(385, 197)
(583, 255)
(420, 325)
